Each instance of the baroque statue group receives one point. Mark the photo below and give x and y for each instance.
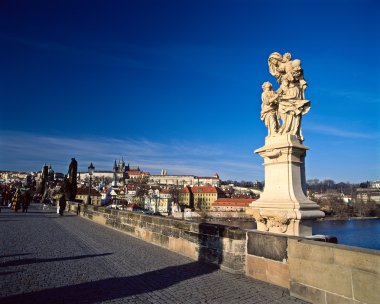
(282, 110)
(284, 207)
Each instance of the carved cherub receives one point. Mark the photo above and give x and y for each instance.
(274, 61)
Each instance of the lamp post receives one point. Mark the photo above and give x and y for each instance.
(91, 169)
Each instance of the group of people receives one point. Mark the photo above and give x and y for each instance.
(288, 103)
(22, 201)
(6, 196)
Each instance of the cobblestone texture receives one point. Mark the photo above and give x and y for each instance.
(45, 258)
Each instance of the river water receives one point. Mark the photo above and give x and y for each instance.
(354, 232)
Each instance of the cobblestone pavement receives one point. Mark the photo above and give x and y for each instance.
(45, 258)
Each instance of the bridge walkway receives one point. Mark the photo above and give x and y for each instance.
(46, 258)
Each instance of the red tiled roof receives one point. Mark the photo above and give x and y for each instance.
(204, 189)
(185, 190)
(233, 202)
(170, 175)
(136, 172)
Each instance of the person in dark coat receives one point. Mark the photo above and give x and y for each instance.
(62, 203)
(26, 201)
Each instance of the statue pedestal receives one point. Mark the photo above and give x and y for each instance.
(283, 207)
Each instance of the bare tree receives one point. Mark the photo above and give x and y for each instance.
(142, 188)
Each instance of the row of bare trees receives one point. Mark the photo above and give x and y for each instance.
(335, 206)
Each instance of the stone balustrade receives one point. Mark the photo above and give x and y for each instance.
(317, 272)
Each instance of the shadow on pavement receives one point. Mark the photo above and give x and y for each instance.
(35, 260)
(115, 288)
(13, 255)
(9, 272)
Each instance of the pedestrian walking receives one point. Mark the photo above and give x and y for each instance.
(8, 198)
(62, 203)
(17, 200)
(26, 201)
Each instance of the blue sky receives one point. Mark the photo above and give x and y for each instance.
(176, 85)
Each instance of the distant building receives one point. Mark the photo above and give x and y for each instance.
(177, 180)
(231, 204)
(164, 201)
(59, 176)
(368, 194)
(184, 179)
(205, 196)
(122, 172)
(375, 184)
(119, 173)
(137, 173)
(186, 196)
(97, 174)
(96, 197)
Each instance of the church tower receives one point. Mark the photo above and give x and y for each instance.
(119, 172)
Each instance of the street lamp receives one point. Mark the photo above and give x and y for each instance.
(91, 169)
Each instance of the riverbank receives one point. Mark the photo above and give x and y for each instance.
(347, 218)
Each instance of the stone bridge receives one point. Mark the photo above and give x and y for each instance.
(46, 258)
(147, 259)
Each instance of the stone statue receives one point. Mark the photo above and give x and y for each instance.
(70, 182)
(269, 108)
(283, 206)
(288, 102)
(41, 188)
(291, 108)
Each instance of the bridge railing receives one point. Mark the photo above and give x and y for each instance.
(315, 271)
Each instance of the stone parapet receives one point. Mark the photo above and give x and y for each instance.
(218, 244)
(331, 273)
(267, 258)
(314, 271)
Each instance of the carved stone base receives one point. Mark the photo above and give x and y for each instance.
(281, 221)
(283, 206)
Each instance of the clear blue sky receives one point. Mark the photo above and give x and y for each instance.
(176, 85)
